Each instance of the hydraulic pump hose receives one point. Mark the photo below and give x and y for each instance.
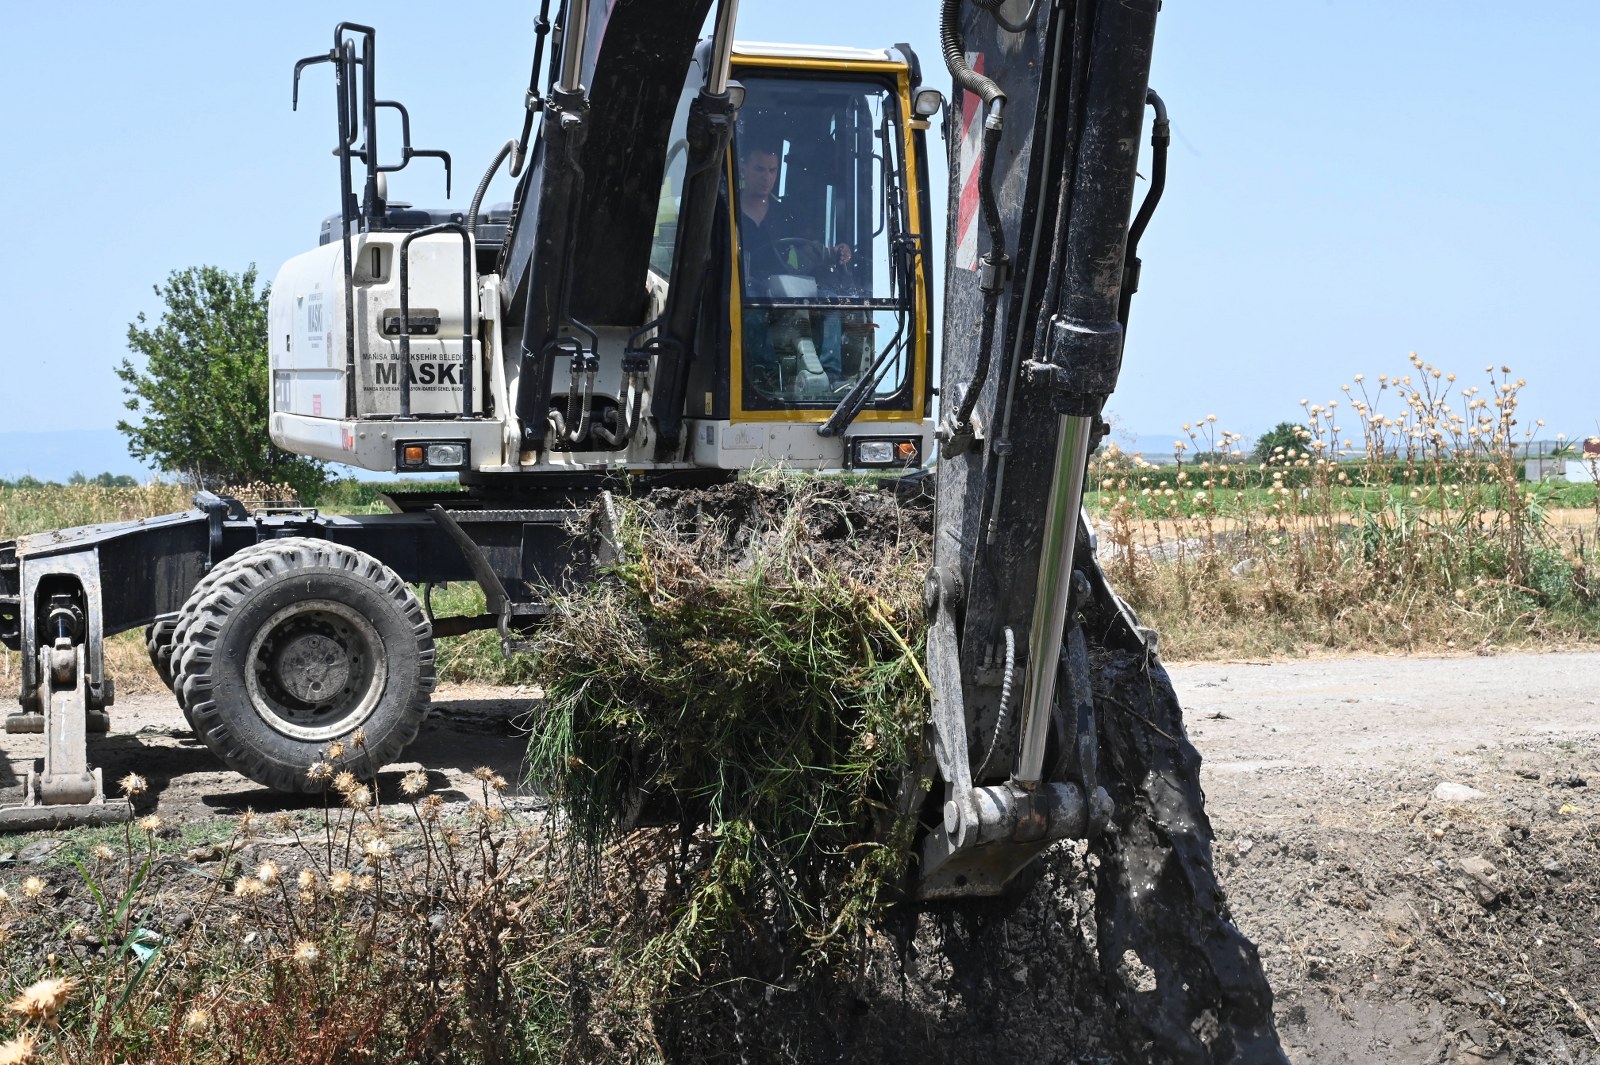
(955, 52)
(506, 149)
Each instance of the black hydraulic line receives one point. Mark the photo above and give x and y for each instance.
(955, 52)
(533, 102)
(992, 276)
(549, 300)
(1160, 141)
(1003, 711)
(488, 175)
(996, 263)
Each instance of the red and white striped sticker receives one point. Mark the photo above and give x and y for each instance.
(971, 155)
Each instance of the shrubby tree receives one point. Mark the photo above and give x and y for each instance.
(105, 479)
(201, 393)
(1287, 435)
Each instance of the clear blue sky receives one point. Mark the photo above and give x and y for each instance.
(1351, 180)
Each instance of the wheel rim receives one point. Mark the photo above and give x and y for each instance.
(315, 670)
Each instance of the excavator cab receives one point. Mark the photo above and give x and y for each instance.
(824, 266)
(780, 313)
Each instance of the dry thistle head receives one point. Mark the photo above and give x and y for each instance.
(378, 849)
(150, 823)
(358, 738)
(18, 1051)
(344, 782)
(281, 822)
(431, 805)
(247, 822)
(103, 853)
(197, 1020)
(414, 782)
(335, 751)
(33, 887)
(267, 872)
(133, 784)
(365, 884)
(305, 953)
(340, 881)
(39, 1002)
(307, 879)
(319, 772)
(249, 888)
(358, 797)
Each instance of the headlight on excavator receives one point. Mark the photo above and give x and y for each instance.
(879, 452)
(925, 103)
(424, 455)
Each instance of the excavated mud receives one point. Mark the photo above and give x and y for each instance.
(1118, 950)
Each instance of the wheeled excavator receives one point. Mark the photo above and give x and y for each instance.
(718, 256)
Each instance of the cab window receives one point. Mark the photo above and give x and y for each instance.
(819, 202)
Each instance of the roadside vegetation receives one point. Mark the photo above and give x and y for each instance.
(397, 924)
(1395, 517)
(405, 923)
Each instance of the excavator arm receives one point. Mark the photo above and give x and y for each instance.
(1050, 112)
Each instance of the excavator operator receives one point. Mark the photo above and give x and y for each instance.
(773, 241)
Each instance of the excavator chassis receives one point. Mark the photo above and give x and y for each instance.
(63, 593)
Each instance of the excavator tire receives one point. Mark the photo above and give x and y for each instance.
(158, 642)
(301, 643)
(184, 621)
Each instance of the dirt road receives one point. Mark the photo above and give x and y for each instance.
(1411, 841)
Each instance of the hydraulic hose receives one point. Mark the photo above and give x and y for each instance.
(629, 417)
(509, 148)
(1003, 712)
(995, 263)
(1160, 139)
(993, 270)
(955, 53)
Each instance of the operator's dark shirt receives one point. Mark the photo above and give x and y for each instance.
(759, 258)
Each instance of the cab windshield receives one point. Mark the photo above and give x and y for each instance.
(824, 274)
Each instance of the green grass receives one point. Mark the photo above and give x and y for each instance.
(762, 680)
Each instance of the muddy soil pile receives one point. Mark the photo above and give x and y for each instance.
(1119, 950)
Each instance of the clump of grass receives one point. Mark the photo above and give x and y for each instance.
(1399, 520)
(748, 672)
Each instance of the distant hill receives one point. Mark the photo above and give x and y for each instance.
(55, 456)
